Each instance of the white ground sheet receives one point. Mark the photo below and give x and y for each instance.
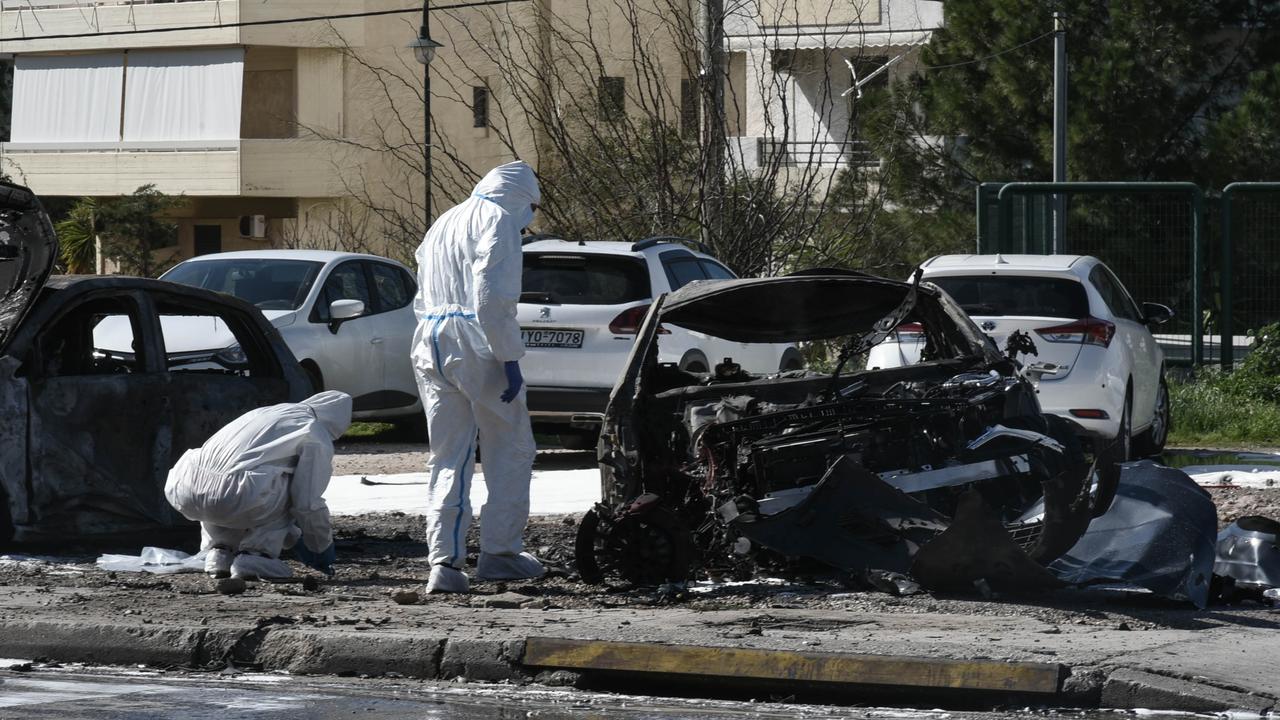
(554, 492)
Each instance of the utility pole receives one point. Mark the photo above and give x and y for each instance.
(426, 121)
(712, 70)
(1059, 129)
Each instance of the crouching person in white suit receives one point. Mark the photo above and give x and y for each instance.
(256, 487)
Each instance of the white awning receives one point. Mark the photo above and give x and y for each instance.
(60, 98)
(827, 39)
(184, 95)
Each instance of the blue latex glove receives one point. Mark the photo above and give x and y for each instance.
(515, 380)
(322, 561)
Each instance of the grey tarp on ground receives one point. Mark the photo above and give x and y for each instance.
(1159, 533)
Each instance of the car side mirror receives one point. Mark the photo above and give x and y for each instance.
(343, 310)
(1155, 313)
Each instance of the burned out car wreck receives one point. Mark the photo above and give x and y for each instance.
(87, 435)
(942, 473)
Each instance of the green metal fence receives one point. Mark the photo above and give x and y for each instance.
(1249, 260)
(1150, 234)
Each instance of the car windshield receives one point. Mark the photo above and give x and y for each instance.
(583, 279)
(1014, 295)
(269, 284)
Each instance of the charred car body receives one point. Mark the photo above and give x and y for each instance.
(944, 470)
(87, 435)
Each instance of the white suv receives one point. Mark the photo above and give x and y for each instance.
(581, 307)
(1096, 361)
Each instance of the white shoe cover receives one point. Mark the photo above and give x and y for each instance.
(248, 566)
(524, 566)
(445, 579)
(217, 562)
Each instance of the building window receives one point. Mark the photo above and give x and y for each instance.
(611, 97)
(208, 240)
(689, 108)
(479, 106)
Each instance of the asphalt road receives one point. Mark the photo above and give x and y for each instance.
(116, 696)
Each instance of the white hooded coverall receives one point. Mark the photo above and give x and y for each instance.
(469, 277)
(258, 483)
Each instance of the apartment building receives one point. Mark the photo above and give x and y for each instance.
(308, 133)
(793, 67)
(259, 125)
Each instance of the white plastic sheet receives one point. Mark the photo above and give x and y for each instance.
(159, 561)
(183, 95)
(67, 98)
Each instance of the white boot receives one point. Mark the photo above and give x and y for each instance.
(524, 566)
(249, 566)
(446, 579)
(217, 562)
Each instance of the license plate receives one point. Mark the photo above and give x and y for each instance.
(547, 338)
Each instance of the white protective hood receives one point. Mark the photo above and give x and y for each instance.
(514, 188)
(332, 410)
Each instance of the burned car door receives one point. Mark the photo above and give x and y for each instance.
(99, 422)
(204, 391)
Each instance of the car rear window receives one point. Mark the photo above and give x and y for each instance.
(267, 283)
(1013, 295)
(570, 279)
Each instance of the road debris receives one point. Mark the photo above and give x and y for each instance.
(1158, 534)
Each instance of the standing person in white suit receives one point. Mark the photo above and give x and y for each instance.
(466, 354)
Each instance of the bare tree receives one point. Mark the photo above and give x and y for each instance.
(603, 97)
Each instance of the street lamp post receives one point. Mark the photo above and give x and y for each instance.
(424, 49)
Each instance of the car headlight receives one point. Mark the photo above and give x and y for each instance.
(231, 356)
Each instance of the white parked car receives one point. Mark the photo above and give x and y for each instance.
(347, 317)
(1097, 362)
(581, 308)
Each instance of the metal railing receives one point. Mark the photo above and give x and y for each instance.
(816, 153)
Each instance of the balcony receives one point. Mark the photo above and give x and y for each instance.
(239, 168)
(28, 26)
(752, 153)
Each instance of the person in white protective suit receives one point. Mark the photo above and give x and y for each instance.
(466, 354)
(256, 487)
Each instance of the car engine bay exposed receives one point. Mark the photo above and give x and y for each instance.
(943, 473)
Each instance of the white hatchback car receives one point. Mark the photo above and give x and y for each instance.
(347, 317)
(1097, 362)
(579, 313)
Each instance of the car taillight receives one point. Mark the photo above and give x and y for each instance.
(628, 322)
(1090, 331)
(909, 332)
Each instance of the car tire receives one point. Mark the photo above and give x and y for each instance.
(1123, 444)
(695, 361)
(791, 360)
(313, 375)
(1153, 439)
(579, 440)
(1111, 455)
(6, 520)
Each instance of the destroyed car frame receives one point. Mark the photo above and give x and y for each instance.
(87, 436)
(945, 470)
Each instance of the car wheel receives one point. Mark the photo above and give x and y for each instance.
(578, 440)
(791, 360)
(695, 362)
(6, 520)
(313, 374)
(1153, 440)
(1124, 437)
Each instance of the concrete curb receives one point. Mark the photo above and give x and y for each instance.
(558, 661)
